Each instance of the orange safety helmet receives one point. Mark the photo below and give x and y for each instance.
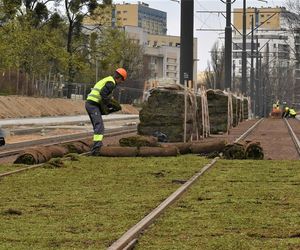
(122, 72)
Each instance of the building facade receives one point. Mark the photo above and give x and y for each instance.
(147, 27)
(141, 15)
(274, 45)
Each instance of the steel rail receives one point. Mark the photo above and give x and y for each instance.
(293, 135)
(250, 130)
(17, 147)
(129, 238)
(39, 165)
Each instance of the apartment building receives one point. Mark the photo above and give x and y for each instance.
(147, 27)
(161, 54)
(276, 42)
(272, 36)
(141, 15)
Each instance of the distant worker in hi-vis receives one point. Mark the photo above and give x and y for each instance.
(100, 102)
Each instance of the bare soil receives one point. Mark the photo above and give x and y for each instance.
(22, 107)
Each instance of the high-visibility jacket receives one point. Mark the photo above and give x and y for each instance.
(95, 94)
(293, 112)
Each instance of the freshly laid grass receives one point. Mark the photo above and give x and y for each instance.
(236, 205)
(88, 203)
(7, 167)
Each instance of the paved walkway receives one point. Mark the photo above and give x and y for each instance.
(60, 120)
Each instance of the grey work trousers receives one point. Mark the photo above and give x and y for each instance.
(97, 122)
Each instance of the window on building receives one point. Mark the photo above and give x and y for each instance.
(274, 45)
(124, 11)
(171, 60)
(155, 44)
(170, 44)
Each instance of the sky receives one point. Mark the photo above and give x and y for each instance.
(206, 39)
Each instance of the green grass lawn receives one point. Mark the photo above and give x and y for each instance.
(88, 204)
(7, 167)
(236, 205)
(85, 204)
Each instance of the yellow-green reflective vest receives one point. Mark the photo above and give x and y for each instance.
(94, 95)
(292, 112)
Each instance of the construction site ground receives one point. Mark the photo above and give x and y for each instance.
(29, 118)
(273, 137)
(22, 106)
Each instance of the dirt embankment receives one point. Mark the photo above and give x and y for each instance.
(21, 107)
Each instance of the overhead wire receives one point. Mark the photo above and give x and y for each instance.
(197, 17)
(216, 31)
(205, 22)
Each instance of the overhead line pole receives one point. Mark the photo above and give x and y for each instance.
(244, 53)
(186, 41)
(252, 66)
(228, 47)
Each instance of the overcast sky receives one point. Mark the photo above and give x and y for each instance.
(202, 21)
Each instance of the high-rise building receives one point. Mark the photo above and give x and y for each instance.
(276, 44)
(161, 54)
(141, 15)
(147, 27)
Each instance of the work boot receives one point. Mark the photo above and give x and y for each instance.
(95, 152)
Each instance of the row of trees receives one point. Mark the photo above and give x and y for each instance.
(44, 39)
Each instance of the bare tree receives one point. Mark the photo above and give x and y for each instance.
(215, 71)
(293, 21)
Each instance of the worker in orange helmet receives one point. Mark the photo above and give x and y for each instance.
(99, 102)
(286, 112)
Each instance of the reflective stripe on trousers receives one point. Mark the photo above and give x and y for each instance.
(98, 137)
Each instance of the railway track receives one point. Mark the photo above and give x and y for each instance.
(130, 238)
(14, 149)
(256, 131)
(11, 154)
(294, 132)
(277, 137)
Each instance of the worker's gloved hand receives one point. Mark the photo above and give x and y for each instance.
(104, 109)
(113, 106)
